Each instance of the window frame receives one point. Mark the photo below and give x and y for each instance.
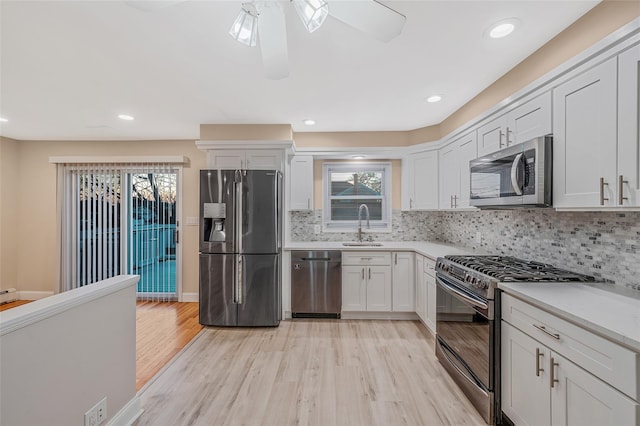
(382, 225)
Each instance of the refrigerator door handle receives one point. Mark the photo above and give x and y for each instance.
(239, 295)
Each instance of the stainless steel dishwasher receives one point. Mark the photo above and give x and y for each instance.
(316, 284)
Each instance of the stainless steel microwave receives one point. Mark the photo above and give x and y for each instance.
(517, 176)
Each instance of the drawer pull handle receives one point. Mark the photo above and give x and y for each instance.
(539, 354)
(544, 330)
(553, 366)
(366, 258)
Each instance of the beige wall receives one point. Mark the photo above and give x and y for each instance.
(351, 139)
(8, 213)
(396, 182)
(37, 203)
(235, 132)
(599, 22)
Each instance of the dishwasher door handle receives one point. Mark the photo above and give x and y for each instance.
(316, 259)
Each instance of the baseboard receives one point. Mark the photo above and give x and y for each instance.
(403, 316)
(33, 295)
(190, 297)
(127, 414)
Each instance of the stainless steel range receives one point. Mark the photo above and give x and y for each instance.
(468, 320)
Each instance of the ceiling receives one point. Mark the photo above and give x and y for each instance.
(68, 68)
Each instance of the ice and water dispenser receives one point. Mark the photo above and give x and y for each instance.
(214, 215)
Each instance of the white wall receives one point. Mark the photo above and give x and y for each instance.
(62, 354)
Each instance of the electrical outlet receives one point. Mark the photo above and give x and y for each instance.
(317, 229)
(96, 414)
(479, 237)
(101, 410)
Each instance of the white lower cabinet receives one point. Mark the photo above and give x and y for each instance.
(541, 386)
(366, 282)
(403, 282)
(429, 275)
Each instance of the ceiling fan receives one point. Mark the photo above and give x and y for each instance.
(262, 22)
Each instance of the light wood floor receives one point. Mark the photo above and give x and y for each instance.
(308, 372)
(162, 330)
(10, 305)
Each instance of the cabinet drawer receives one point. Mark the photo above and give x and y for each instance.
(429, 267)
(614, 364)
(366, 258)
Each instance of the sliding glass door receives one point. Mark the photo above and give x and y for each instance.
(122, 219)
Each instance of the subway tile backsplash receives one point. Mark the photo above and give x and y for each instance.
(602, 244)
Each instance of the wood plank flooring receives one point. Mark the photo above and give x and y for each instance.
(162, 330)
(13, 304)
(308, 372)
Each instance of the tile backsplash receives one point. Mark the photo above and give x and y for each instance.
(602, 244)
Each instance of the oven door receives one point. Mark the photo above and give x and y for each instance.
(464, 323)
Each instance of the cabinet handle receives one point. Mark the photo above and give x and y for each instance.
(366, 258)
(500, 135)
(539, 354)
(362, 274)
(451, 200)
(396, 261)
(553, 366)
(621, 196)
(410, 203)
(544, 330)
(507, 136)
(602, 184)
(455, 201)
(308, 203)
(369, 273)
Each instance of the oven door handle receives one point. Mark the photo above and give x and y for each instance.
(454, 291)
(445, 352)
(514, 174)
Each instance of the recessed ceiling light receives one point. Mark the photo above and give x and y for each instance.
(3, 120)
(503, 28)
(434, 98)
(358, 157)
(125, 117)
(309, 122)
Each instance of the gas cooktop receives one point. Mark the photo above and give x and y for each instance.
(481, 274)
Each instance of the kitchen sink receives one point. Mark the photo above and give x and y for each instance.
(363, 244)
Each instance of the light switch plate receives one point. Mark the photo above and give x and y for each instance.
(317, 229)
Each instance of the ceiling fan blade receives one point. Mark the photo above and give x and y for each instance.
(151, 5)
(370, 17)
(272, 37)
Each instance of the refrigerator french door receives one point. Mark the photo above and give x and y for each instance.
(240, 245)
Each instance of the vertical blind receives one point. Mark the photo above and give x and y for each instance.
(119, 219)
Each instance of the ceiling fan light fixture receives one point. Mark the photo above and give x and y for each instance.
(245, 27)
(312, 13)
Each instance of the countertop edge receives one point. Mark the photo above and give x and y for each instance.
(579, 320)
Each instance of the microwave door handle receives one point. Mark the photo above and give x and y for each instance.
(514, 174)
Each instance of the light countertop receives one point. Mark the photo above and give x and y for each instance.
(429, 249)
(606, 309)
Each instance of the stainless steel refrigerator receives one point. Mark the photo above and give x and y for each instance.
(240, 245)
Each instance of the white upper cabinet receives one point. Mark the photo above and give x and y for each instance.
(628, 189)
(301, 183)
(455, 179)
(235, 159)
(525, 122)
(595, 126)
(422, 181)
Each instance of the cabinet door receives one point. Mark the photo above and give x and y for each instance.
(530, 120)
(525, 378)
(264, 159)
(424, 181)
(628, 137)
(354, 288)
(491, 136)
(378, 288)
(420, 288)
(301, 183)
(449, 176)
(226, 159)
(467, 151)
(430, 301)
(580, 399)
(584, 145)
(403, 283)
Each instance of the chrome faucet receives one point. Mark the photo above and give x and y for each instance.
(360, 220)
